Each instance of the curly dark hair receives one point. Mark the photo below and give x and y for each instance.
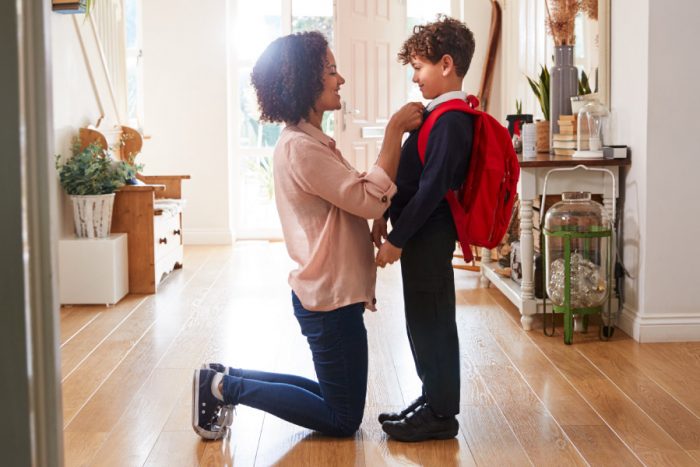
(446, 36)
(288, 76)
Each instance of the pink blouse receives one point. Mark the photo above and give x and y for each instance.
(323, 204)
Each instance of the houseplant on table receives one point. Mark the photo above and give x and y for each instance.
(540, 87)
(90, 177)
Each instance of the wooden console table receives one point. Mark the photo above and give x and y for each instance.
(532, 174)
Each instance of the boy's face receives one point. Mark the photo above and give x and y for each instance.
(430, 77)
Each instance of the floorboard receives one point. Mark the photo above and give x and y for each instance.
(526, 399)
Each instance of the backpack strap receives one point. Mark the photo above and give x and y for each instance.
(458, 214)
(467, 106)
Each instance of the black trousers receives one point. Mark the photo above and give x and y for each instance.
(429, 301)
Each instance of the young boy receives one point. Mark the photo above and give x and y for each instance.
(423, 233)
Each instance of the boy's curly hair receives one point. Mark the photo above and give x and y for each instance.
(288, 76)
(446, 36)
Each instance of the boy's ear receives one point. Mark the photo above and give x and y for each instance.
(447, 64)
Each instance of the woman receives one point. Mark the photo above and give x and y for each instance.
(323, 204)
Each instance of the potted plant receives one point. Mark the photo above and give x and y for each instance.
(585, 94)
(540, 87)
(90, 177)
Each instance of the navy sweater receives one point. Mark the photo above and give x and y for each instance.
(422, 189)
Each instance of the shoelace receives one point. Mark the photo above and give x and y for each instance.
(223, 420)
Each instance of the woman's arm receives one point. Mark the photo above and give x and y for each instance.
(319, 172)
(364, 195)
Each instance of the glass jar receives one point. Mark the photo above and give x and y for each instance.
(593, 126)
(577, 248)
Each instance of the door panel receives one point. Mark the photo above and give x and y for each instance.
(370, 33)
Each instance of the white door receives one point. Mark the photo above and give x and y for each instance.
(368, 36)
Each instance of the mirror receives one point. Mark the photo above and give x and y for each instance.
(526, 45)
(591, 51)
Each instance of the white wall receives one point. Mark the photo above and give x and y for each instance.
(74, 102)
(185, 98)
(654, 69)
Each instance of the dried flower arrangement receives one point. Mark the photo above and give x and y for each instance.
(560, 20)
(590, 8)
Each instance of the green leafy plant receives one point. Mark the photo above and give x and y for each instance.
(541, 89)
(584, 86)
(518, 107)
(91, 171)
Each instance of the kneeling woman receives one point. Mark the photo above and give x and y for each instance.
(323, 204)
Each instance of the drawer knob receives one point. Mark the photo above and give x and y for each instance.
(162, 240)
(176, 232)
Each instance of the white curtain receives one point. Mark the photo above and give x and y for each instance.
(526, 46)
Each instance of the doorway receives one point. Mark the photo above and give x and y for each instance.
(256, 24)
(365, 36)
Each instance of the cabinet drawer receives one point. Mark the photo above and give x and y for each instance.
(167, 235)
(170, 260)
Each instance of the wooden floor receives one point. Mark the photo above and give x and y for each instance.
(527, 399)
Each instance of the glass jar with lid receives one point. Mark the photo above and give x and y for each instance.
(578, 241)
(592, 128)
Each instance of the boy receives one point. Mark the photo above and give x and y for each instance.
(423, 233)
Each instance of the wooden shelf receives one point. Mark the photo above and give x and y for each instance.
(550, 160)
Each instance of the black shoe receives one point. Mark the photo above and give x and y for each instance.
(421, 425)
(210, 416)
(398, 416)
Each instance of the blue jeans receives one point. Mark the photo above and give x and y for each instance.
(334, 405)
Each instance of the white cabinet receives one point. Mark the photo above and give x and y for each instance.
(93, 270)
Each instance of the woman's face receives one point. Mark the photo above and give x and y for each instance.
(332, 80)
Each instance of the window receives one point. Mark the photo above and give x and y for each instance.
(134, 69)
(256, 24)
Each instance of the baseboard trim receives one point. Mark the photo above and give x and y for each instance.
(208, 237)
(660, 328)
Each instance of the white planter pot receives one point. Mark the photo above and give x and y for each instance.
(92, 215)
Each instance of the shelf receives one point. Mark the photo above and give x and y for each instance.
(513, 291)
(550, 160)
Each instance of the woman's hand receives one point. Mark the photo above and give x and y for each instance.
(407, 118)
(387, 254)
(379, 231)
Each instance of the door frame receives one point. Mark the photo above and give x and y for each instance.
(29, 344)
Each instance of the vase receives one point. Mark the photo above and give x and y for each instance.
(92, 215)
(563, 85)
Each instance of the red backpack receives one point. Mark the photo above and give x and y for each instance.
(481, 208)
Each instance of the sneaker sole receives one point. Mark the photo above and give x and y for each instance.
(206, 434)
(438, 435)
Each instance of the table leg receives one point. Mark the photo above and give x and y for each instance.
(527, 252)
(485, 258)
